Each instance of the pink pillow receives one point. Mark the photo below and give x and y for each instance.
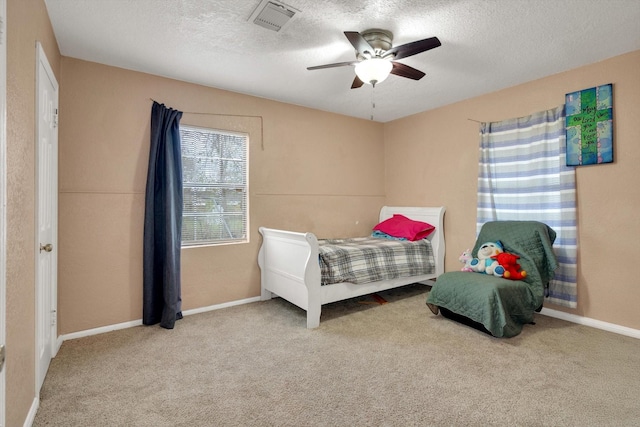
(401, 226)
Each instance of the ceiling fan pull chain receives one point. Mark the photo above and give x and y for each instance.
(373, 100)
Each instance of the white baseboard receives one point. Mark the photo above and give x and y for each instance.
(220, 306)
(573, 318)
(586, 321)
(103, 329)
(31, 416)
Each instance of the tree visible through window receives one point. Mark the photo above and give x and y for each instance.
(215, 188)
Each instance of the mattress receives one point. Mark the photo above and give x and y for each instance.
(370, 259)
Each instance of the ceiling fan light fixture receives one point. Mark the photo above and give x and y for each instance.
(374, 70)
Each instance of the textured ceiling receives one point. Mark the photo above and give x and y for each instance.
(487, 45)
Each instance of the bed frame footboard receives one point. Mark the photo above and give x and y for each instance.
(287, 270)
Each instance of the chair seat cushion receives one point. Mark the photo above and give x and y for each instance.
(501, 305)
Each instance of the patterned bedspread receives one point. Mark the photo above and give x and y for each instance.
(369, 259)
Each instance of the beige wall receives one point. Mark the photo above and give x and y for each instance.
(309, 170)
(27, 22)
(432, 158)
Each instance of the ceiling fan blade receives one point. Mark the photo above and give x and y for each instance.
(359, 42)
(337, 64)
(356, 83)
(413, 48)
(404, 70)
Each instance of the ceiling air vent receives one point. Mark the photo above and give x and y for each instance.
(273, 15)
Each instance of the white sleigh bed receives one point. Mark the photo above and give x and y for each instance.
(290, 269)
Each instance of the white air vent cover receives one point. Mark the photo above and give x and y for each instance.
(273, 15)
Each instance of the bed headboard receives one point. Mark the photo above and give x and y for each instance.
(432, 215)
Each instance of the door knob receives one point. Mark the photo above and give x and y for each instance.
(47, 248)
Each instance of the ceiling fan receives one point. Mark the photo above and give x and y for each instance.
(376, 58)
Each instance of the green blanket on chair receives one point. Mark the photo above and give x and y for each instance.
(502, 305)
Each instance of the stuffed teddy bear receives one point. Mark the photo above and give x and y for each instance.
(484, 263)
(512, 269)
(466, 258)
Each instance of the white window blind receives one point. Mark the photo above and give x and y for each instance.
(215, 187)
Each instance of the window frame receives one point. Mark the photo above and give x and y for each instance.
(229, 241)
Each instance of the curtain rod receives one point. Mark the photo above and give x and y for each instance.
(229, 115)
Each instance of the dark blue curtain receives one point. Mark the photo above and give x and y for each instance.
(163, 221)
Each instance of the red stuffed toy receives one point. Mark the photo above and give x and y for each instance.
(512, 269)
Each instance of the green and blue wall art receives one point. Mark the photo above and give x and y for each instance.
(589, 126)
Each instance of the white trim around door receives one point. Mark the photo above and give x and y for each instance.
(3, 202)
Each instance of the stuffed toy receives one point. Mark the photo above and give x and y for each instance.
(512, 269)
(484, 263)
(466, 258)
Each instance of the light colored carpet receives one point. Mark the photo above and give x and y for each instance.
(394, 364)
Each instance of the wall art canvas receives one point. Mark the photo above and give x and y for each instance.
(589, 126)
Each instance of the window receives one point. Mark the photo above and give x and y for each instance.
(215, 187)
(523, 175)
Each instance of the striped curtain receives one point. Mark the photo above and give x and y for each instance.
(523, 176)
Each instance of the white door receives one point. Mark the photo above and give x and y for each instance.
(3, 206)
(46, 213)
